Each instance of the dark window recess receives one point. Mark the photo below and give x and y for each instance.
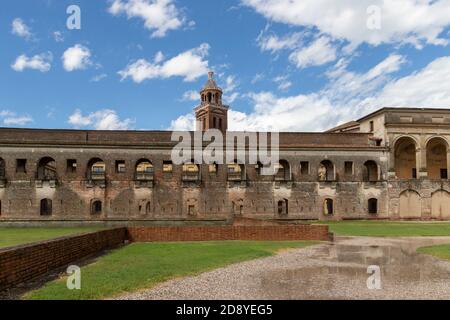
(371, 126)
(21, 166)
(414, 173)
(120, 166)
(444, 174)
(373, 206)
(348, 167)
(304, 167)
(46, 207)
(96, 207)
(71, 166)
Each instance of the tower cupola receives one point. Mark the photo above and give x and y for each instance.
(211, 113)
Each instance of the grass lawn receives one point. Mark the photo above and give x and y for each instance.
(441, 251)
(143, 265)
(15, 236)
(389, 228)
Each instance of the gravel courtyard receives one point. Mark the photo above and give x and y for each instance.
(324, 271)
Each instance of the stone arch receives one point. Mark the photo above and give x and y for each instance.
(436, 149)
(440, 204)
(370, 172)
(405, 158)
(46, 169)
(410, 205)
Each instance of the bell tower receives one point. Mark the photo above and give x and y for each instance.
(211, 113)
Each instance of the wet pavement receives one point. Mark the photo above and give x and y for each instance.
(336, 270)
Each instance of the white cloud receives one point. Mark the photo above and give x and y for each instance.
(283, 83)
(319, 52)
(417, 22)
(275, 43)
(77, 57)
(190, 95)
(19, 28)
(40, 62)
(10, 118)
(183, 123)
(99, 77)
(105, 119)
(190, 65)
(160, 16)
(58, 36)
(426, 88)
(348, 96)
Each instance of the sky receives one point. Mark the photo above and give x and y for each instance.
(284, 65)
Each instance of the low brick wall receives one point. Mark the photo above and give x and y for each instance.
(23, 263)
(211, 233)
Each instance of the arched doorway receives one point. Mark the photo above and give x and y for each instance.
(372, 206)
(410, 204)
(405, 158)
(328, 207)
(440, 204)
(46, 207)
(96, 207)
(437, 159)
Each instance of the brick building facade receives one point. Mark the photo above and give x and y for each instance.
(391, 164)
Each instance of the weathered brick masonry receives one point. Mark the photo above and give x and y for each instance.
(23, 263)
(210, 233)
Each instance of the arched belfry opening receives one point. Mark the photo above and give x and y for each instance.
(211, 113)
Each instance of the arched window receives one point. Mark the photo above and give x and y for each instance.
(328, 208)
(96, 207)
(148, 208)
(326, 171)
(144, 169)
(373, 206)
(437, 159)
(235, 171)
(405, 158)
(46, 207)
(46, 169)
(370, 171)
(283, 171)
(209, 97)
(96, 169)
(191, 171)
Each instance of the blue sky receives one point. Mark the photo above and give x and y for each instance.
(285, 65)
